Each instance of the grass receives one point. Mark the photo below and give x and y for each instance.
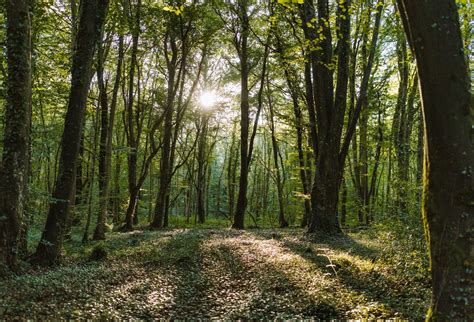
(226, 274)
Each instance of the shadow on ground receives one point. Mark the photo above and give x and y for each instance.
(224, 274)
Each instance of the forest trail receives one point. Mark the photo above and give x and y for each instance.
(223, 274)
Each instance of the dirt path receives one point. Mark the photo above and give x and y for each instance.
(221, 274)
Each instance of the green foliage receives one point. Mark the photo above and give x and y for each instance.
(190, 270)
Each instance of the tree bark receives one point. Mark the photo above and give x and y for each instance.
(16, 140)
(448, 207)
(330, 102)
(133, 133)
(92, 18)
(202, 169)
(276, 160)
(99, 232)
(232, 173)
(165, 162)
(105, 154)
(241, 205)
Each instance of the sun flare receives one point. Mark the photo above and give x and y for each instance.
(208, 99)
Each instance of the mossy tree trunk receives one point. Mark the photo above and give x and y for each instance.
(14, 169)
(448, 207)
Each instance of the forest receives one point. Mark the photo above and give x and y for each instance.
(237, 159)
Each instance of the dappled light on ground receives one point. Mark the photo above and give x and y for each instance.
(220, 274)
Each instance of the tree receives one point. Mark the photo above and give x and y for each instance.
(202, 161)
(133, 117)
(237, 22)
(107, 130)
(277, 160)
(433, 32)
(92, 18)
(241, 45)
(16, 138)
(177, 49)
(292, 81)
(331, 146)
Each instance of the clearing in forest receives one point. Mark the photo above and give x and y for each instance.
(226, 274)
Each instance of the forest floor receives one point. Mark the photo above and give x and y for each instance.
(226, 274)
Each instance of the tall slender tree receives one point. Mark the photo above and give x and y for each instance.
(105, 154)
(241, 45)
(133, 116)
(91, 22)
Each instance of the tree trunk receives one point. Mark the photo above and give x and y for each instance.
(132, 114)
(344, 203)
(93, 157)
(364, 165)
(448, 207)
(241, 206)
(105, 154)
(325, 193)
(330, 102)
(165, 162)
(92, 19)
(232, 173)
(324, 196)
(201, 179)
(79, 186)
(16, 140)
(276, 160)
(99, 232)
(399, 125)
(419, 153)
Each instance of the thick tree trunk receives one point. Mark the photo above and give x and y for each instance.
(14, 166)
(330, 102)
(330, 109)
(92, 19)
(448, 208)
(325, 193)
